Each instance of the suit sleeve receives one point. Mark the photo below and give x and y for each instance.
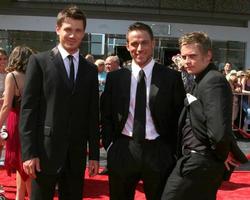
(30, 109)
(179, 96)
(217, 107)
(94, 133)
(106, 113)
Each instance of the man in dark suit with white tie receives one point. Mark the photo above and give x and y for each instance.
(205, 127)
(140, 108)
(59, 114)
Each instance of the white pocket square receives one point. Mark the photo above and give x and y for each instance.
(190, 98)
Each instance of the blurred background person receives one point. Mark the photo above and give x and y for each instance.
(227, 68)
(188, 79)
(14, 82)
(90, 58)
(236, 88)
(101, 74)
(238, 81)
(240, 77)
(246, 100)
(112, 63)
(246, 83)
(232, 78)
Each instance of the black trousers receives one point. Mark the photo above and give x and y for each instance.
(69, 182)
(194, 177)
(130, 162)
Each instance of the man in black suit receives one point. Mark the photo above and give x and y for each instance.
(59, 114)
(140, 108)
(205, 127)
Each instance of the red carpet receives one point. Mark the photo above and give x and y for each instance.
(97, 188)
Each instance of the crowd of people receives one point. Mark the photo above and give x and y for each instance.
(57, 105)
(239, 81)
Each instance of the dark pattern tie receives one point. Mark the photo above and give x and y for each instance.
(139, 125)
(72, 71)
(188, 81)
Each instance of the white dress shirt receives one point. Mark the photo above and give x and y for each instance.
(151, 132)
(65, 58)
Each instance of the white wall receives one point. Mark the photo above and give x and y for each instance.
(223, 33)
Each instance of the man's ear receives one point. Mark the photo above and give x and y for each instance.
(209, 55)
(153, 42)
(57, 30)
(127, 46)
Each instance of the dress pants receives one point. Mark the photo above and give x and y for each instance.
(196, 177)
(69, 182)
(129, 162)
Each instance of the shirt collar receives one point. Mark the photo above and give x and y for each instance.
(64, 53)
(147, 69)
(199, 76)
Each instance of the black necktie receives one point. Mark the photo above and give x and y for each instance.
(139, 125)
(72, 71)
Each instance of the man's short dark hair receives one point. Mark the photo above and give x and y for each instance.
(71, 12)
(142, 27)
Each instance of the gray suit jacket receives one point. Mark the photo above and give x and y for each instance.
(211, 114)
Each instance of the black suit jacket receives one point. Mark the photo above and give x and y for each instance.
(165, 102)
(55, 120)
(211, 114)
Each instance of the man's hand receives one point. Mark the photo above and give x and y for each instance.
(31, 166)
(2, 142)
(231, 161)
(93, 167)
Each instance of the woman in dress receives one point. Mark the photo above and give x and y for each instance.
(3, 64)
(14, 82)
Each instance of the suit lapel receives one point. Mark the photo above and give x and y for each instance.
(125, 88)
(154, 86)
(80, 72)
(59, 65)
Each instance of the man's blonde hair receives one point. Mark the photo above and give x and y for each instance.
(199, 38)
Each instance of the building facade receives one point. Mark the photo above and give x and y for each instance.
(226, 22)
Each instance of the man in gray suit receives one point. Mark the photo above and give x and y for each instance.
(205, 127)
(59, 114)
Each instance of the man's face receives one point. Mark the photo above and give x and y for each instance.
(195, 60)
(70, 34)
(233, 77)
(111, 65)
(140, 46)
(227, 67)
(101, 68)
